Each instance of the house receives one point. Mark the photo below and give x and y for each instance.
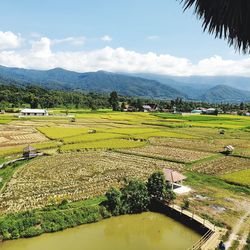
(34, 112)
(146, 108)
(173, 177)
(210, 111)
(196, 111)
(150, 107)
(29, 151)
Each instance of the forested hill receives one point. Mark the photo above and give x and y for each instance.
(34, 96)
(143, 85)
(99, 81)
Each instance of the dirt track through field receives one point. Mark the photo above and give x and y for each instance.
(235, 231)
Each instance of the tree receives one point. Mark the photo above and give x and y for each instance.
(113, 196)
(123, 106)
(113, 100)
(242, 106)
(135, 197)
(157, 186)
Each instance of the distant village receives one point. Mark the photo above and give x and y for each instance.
(151, 107)
(145, 108)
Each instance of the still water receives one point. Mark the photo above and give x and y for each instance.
(146, 231)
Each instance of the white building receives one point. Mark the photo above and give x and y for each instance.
(34, 112)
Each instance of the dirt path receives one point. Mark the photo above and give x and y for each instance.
(235, 231)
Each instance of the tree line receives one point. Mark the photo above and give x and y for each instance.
(12, 96)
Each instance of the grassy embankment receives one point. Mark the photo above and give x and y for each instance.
(51, 218)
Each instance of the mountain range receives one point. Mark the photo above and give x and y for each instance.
(207, 89)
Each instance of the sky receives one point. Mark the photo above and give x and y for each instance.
(141, 36)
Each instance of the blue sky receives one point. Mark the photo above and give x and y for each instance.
(139, 26)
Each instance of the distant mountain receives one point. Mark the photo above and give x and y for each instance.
(238, 82)
(190, 89)
(223, 93)
(99, 81)
(211, 89)
(195, 88)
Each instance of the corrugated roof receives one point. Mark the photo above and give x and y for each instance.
(34, 111)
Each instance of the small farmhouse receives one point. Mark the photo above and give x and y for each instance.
(150, 107)
(29, 152)
(173, 177)
(34, 112)
(210, 111)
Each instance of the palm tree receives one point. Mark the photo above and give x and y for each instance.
(228, 19)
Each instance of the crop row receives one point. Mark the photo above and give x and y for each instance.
(75, 175)
(222, 165)
(175, 154)
(194, 144)
(103, 144)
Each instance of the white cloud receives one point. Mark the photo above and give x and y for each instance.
(41, 48)
(42, 56)
(154, 37)
(106, 38)
(9, 40)
(71, 40)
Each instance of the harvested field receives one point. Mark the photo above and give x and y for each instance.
(237, 143)
(199, 145)
(19, 135)
(222, 165)
(175, 154)
(168, 134)
(75, 175)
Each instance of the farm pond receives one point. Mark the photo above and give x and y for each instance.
(147, 231)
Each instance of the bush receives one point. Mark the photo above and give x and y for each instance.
(186, 204)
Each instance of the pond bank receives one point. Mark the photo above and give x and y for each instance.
(121, 233)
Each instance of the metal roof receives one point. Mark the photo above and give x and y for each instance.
(34, 111)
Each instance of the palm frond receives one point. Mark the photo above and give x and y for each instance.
(228, 19)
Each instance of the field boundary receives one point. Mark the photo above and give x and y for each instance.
(211, 233)
(151, 157)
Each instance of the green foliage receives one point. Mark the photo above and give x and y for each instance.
(203, 179)
(114, 203)
(7, 172)
(132, 198)
(247, 247)
(157, 186)
(185, 204)
(114, 101)
(135, 196)
(51, 219)
(34, 96)
(170, 196)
